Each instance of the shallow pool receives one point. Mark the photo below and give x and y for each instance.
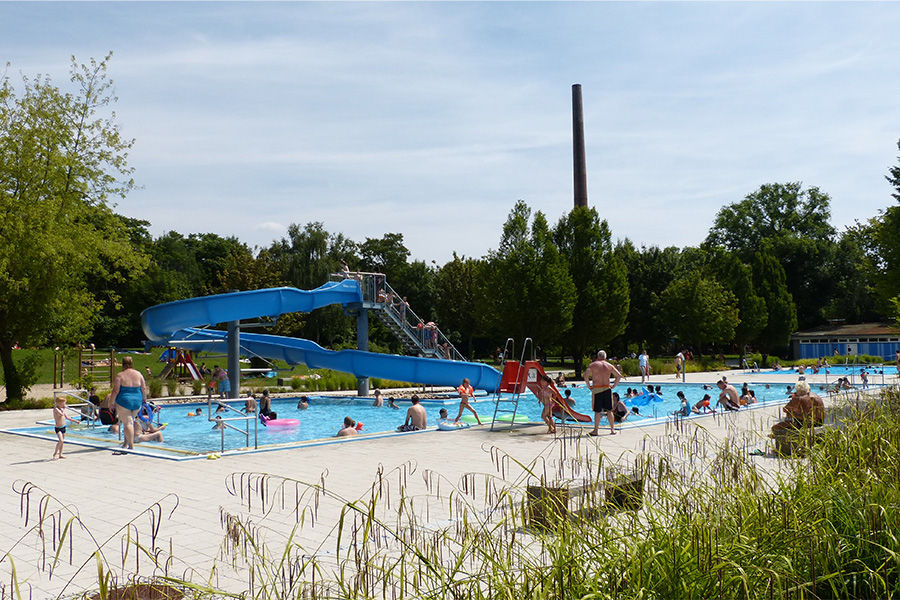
(190, 435)
(834, 371)
(667, 402)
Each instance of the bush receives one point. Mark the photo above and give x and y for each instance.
(197, 387)
(296, 384)
(155, 386)
(27, 404)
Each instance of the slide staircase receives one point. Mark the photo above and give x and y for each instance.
(418, 338)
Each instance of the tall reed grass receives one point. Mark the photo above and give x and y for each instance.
(710, 523)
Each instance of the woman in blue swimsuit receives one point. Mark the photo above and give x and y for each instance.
(129, 392)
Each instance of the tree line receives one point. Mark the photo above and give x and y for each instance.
(72, 269)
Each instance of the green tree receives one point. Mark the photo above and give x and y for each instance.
(884, 239)
(737, 277)
(698, 310)
(532, 294)
(770, 284)
(852, 270)
(893, 177)
(243, 271)
(117, 323)
(305, 259)
(416, 283)
(62, 159)
(789, 223)
(458, 296)
(386, 255)
(650, 271)
(600, 279)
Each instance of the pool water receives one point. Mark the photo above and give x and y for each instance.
(325, 415)
(667, 402)
(835, 371)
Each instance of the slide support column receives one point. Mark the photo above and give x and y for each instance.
(234, 358)
(362, 343)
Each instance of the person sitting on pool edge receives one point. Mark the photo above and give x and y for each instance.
(685, 409)
(728, 396)
(348, 429)
(620, 411)
(416, 417)
(146, 433)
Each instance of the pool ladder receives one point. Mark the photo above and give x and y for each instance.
(512, 383)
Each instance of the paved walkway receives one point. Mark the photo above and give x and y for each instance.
(110, 491)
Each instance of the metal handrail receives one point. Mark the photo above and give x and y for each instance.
(376, 290)
(78, 406)
(246, 417)
(510, 345)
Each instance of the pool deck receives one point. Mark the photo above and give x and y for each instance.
(108, 491)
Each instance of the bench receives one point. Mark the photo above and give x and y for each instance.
(550, 505)
(789, 441)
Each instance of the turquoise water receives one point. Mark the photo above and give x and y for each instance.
(667, 402)
(843, 370)
(325, 415)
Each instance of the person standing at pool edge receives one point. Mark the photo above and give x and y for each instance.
(596, 376)
(465, 392)
(223, 384)
(129, 392)
(644, 365)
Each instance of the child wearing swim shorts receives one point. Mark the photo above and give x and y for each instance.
(59, 419)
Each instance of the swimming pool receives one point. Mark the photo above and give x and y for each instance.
(667, 402)
(835, 371)
(190, 437)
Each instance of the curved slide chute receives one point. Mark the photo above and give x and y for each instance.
(178, 321)
(162, 321)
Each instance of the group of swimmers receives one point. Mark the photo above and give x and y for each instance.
(729, 399)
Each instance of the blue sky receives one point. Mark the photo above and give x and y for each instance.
(432, 119)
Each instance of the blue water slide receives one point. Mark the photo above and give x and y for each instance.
(161, 321)
(178, 321)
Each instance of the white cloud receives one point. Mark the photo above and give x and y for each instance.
(432, 119)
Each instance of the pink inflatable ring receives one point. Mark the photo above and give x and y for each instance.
(280, 422)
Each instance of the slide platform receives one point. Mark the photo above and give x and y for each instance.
(519, 376)
(179, 320)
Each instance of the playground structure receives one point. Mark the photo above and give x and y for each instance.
(187, 323)
(95, 365)
(179, 365)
